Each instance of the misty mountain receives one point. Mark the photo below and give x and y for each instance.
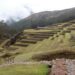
(45, 18)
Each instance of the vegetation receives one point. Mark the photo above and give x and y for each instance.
(24, 70)
(37, 43)
(46, 40)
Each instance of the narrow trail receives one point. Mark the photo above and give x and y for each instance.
(58, 67)
(63, 67)
(25, 63)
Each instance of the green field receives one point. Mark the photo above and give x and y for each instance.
(24, 70)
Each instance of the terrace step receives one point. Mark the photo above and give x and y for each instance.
(23, 37)
(21, 44)
(12, 48)
(28, 41)
(71, 28)
(41, 37)
(42, 34)
(39, 33)
(36, 39)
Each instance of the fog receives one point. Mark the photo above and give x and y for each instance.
(18, 9)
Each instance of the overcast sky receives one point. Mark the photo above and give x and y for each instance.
(18, 8)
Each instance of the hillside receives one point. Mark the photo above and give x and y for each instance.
(51, 39)
(45, 18)
(43, 44)
(40, 19)
(49, 49)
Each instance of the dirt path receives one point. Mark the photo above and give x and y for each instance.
(63, 67)
(25, 63)
(59, 67)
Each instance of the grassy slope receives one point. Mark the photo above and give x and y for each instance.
(55, 45)
(59, 43)
(39, 47)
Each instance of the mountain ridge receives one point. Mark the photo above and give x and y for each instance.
(46, 18)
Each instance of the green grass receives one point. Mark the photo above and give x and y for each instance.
(35, 69)
(47, 45)
(55, 45)
(39, 47)
(44, 46)
(32, 30)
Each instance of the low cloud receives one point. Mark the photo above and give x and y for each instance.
(16, 8)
